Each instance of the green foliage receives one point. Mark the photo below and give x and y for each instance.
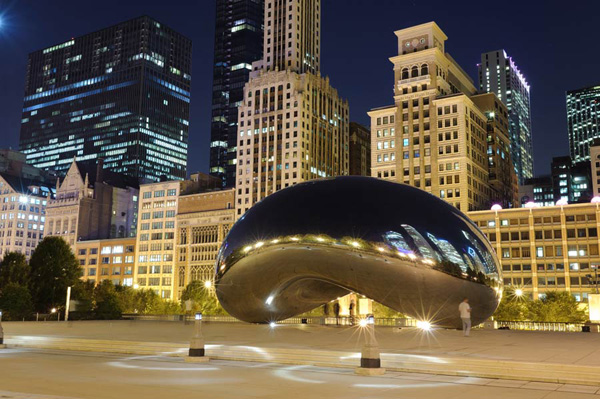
(53, 269)
(383, 312)
(147, 302)
(83, 293)
(557, 306)
(15, 302)
(108, 304)
(13, 269)
(319, 311)
(512, 307)
(554, 307)
(202, 299)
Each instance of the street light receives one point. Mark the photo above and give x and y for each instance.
(370, 359)
(518, 292)
(1, 333)
(197, 352)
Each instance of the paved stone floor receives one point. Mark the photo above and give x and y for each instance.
(549, 347)
(40, 374)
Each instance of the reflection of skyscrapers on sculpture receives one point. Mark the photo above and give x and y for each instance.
(292, 125)
(305, 246)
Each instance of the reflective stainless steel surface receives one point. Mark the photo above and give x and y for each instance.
(316, 241)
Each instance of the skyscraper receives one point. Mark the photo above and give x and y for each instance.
(293, 126)
(121, 94)
(360, 150)
(583, 121)
(437, 134)
(238, 43)
(499, 74)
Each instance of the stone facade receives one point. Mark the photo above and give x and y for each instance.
(23, 205)
(155, 244)
(434, 136)
(203, 221)
(544, 249)
(91, 206)
(292, 125)
(110, 259)
(360, 150)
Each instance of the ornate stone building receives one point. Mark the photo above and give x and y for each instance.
(292, 125)
(155, 244)
(203, 221)
(23, 204)
(434, 136)
(92, 204)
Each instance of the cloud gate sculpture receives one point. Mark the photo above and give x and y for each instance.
(398, 245)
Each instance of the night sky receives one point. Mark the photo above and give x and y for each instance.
(554, 45)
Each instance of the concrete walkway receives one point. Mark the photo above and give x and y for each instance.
(533, 356)
(70, 375)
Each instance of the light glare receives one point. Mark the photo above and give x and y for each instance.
(424, 325)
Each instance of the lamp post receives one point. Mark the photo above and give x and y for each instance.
(2, 345)
(197, 353)
(68, 303)
(370, 360)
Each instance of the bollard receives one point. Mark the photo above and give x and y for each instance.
(196, 353)
(2, 345)
(370, 360)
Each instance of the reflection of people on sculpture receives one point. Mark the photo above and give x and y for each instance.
(351, 308)
(336, 312)
(465, 316)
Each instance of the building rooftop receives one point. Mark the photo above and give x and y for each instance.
(22, 185)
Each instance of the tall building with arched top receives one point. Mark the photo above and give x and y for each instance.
(292, 124)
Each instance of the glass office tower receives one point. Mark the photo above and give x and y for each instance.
(121, 94)
(499, 74)
(238, 43)
(583, 121)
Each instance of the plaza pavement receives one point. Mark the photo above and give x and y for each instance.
(571, 358)
(41, 374)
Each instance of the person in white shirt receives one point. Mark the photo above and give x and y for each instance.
(465, 315)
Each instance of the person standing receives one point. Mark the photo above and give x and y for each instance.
(336, 312)
(465, 315)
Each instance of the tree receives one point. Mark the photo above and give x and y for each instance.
(202, 298)
(147, 302)
(557, 307)
(108, 306)
(512, 307)
(83, 293)
(13, 269)
(127, 298)
(381, 311)
(54, 267)
(15, 302)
